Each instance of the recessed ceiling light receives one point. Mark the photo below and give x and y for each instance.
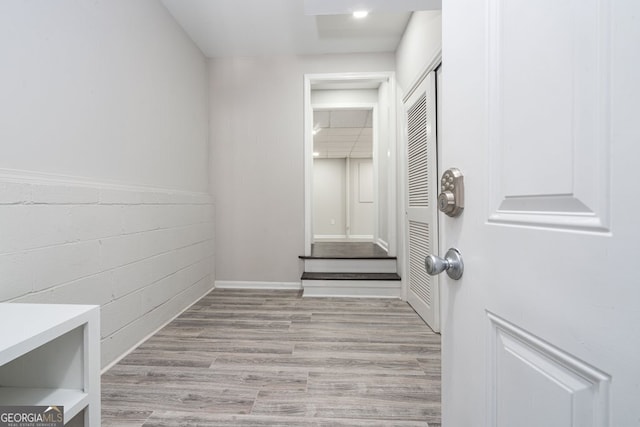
(359, 14)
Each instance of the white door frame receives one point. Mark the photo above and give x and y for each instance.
(350, 81)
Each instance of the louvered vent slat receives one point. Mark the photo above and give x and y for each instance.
(417, 149)
(419, 243)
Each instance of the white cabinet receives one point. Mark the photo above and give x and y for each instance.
(50, 355)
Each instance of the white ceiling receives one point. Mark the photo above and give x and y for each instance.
(279, 27)
(343, 133)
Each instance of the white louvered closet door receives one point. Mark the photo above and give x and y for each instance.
(421, 209)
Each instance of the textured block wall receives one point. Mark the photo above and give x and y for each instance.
(142, 254)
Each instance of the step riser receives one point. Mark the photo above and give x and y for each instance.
(352, 288)
(350, 265)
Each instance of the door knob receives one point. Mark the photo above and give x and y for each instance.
(451, 263)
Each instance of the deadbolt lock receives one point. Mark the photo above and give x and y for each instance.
(451, 198)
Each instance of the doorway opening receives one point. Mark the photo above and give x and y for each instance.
(343, 197)
(347, 195)
(350, 208)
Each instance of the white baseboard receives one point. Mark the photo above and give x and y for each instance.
(232, 284)
(329, 236)
(342, 238)
(384, 245)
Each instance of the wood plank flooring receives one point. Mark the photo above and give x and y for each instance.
(347, 250)
(271, 358)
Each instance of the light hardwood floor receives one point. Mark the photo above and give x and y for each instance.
(272, 358)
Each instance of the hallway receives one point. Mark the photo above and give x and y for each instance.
(246, 357)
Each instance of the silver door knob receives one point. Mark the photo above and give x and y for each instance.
(451, 263)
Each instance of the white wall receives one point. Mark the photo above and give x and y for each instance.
(110, 90)
(103, 163)
(329, 198)
(336, 183)
(421, 42)
(360, 210)
(257, 139)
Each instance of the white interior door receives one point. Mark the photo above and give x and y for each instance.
(422, 217)
(541, 115)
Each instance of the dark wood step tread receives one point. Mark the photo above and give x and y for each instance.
(350, 276)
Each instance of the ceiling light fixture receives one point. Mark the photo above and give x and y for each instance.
(359, 14)
(316, 154)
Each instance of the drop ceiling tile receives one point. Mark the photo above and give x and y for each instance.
(349, 140)
(343, 131)
(321, 119)
(341, 138)
(369, 120)
(348, 118)
(335, 146)
(366, 144)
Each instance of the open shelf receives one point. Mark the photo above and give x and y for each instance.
(72, 400)
(50, 356)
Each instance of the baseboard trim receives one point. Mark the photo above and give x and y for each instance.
(343, 239)
(233, 284)
(384, 245)
(329, 236)
(360, 237)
